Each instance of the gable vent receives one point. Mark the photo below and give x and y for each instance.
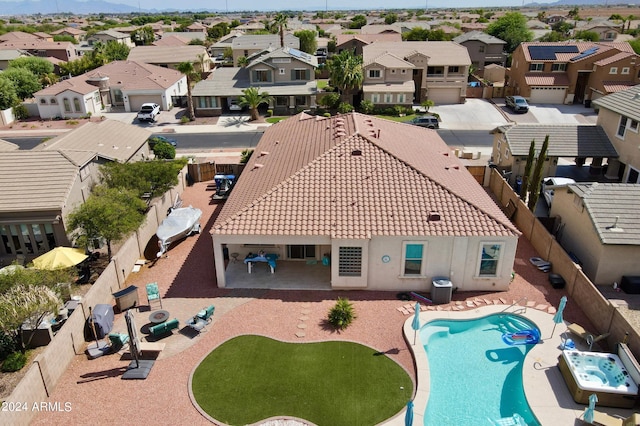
(433, 217)
(356, 153)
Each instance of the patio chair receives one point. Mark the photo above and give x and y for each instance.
(604, 419)
(153, 294)
(579, 331)
(199, 321)
(118, 341)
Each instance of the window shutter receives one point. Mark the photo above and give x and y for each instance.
(307, 74)
(269, 75)
(293, 74)
(254, 76)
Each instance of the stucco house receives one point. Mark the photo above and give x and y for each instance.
(111, 35)
(606, 30)
(484, 49)
(580, 142)
(572, 72)
(70, 98)
(401, 73)
(600, 225)
(287, 74)
(172, 56)
(619, 115)
(355, 42)
(61, 50)
(76, 33)
(249, 44)
(386, 205)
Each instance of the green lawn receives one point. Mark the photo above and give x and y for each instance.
(322, 84)
(399, 119)
(274, 120)
(250, 378)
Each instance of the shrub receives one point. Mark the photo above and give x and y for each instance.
(245, 155)
(342, 314)
(269, 113)
(7, 345)
(72, 122)
(330, 100)
(184, 119)
(164, 150)
(14, 362)
(345, 107)
(326, 114)
(367, 107)
(20, 112)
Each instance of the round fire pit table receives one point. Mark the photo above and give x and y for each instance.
(158, 317)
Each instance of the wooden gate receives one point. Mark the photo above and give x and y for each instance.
(478, 173)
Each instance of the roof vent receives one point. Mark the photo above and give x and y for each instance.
(263, 153)
(356, 153)
(433, 217)
(614, 227)
(257, 166)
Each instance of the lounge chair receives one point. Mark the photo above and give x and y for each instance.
(153, 294)
(579, 331)
(604, 419)
(199, 321)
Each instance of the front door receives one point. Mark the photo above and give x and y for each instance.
(581, 86)
(301, 252)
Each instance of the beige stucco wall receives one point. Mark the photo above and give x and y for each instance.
(88, 104)
(629, 147)
(278, 78)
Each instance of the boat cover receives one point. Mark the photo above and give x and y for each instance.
(180, 223)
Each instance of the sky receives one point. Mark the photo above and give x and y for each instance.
(236, 5)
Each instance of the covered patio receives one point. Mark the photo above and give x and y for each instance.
(288, 275)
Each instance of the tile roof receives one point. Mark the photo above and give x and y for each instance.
(389, 60)
(109, 139)
(283, 52)
(264, 41)
(227, 81)
(616, 86)
(26, 187)
(166, 54)
(357, 176)
(613, 208)
(10, 54)
(438, 52)
(113, 33)
(564, 140)
(38, 44)
(18, 36)
(400, 87)
(625, 102)
(582, 47)
(69, 30)
(546, 79)
(478, 36)
(130, 75)
(171, 41)
(76, 84)
(614, 58)
(368, 38)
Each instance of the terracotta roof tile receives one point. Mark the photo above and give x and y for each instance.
(617, 86)
(615, 58)
(546, 79)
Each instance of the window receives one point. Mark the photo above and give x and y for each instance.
(374, 73)
(301, 100)
(350, 262)
(634, 175)
(403, 71)
(76, 105)
(84, 172)
(610, 35)
(282, 101)
(536, 67)
(301, 252)
(281, 71)
(454, 69)
(393, 71)
(622, 127)
(613, 70)
(53, 101)
(435, 71)
(559, 67)
(388, 98)
(43, 101)
(375, 98)
(261, 75)
(401, 98)
(413, 258)
(118, 99)
(207, 102)
(67, 105)
(625, 70)
(633, 125)
(300, 74)
(490, 259)
(481, 49)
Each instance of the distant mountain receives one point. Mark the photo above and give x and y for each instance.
(32, 7)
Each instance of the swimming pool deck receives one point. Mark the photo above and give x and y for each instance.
(545, 388)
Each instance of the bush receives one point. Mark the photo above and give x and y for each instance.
(245, 155)
(330, 100)
(184, 119)
(269, 113)
(7, 345)
(164, 150)
(326, 114)
(367, 107)
(345, 107)
(342, 314)
(20, 112)
(14, 362)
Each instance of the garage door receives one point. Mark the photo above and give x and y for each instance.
(444, 96)
(136, 101)
(547, 95)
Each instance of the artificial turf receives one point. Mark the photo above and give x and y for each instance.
(250, 378)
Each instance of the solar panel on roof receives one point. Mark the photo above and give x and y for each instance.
(548, 53)
(585, 54)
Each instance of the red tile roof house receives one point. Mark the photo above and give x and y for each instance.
(387, 202)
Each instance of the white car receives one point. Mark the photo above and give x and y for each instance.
(550, 183)
(234, 105)
(148, 112)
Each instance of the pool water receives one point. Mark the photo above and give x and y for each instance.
(476, 378)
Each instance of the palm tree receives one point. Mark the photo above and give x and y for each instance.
(243, 61)
(345, 72)
(280, 22)
(253, 98)
(193, 76)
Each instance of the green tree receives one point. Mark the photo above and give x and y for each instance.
(38, 66)
(65, 38)
(218, 31)
(280, 24)
(512, 28)
(24, 81)
(574, 13)
(635, 45)
(164, 151)
(156, 177)
(358, 22)
(345, 73)
(26, 304)
(115, 51)
(526, 177)
(253, 98)
(587, 35)
(243, 61)
(330, 100)
(308, 42)
(427, 104)
(108, 213)
(8, 97)
(143, 36)
(390, 18)
(536, 179)
(193, 77)
(342, 314)
(416, 34)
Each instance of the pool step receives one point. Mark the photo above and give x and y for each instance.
(431, 331)
(514, 325)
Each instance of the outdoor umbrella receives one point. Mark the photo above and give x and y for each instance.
(557, 318)
(59, 257)
(588, 412)
(408, 418)
(416, 321)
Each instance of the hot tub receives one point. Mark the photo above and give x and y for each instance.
(601, 373)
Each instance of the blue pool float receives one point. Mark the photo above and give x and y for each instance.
(522, 337)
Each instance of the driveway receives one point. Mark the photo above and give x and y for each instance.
(550, 114)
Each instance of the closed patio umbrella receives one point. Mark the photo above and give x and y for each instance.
(59, 257)
(408, 417)
(557, 318)
(416, 321)
(588, 412)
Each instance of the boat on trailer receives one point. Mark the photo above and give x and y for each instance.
(180, 223)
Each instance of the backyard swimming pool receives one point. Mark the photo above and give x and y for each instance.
(475, 377)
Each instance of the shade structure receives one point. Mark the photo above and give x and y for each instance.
(416, 321)
(588, 412)
(59, 257)
(408, 417)
(557, 318)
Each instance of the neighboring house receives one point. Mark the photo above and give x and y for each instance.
(248, 45)
(511, 146)
(76, 33)
(287, 74)
(7, 146)
(554, 19)
(619, 115)
(410, 72)
(381, 29)
(600, 226)
(385, 203)
(124, 84)
(484, 49)
(197, 27)
(172, 56)
(9, 55)
(223, 43)
(355, 42)
(171, 41)
(63, 50)
(21, 36)
(606, 30)
(473, 26)
(111, 35)
(572, 72)
(184, 35)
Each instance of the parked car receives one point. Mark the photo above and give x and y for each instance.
(428, 121)
(153, 140)
(148, 112)
(234, 105)
(550, 183)
(517, 103)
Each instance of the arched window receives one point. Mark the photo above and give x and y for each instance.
(53, 101)
(76, 105)
(43, 101)
(67, 105)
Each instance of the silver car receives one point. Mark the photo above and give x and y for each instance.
(517, 103)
